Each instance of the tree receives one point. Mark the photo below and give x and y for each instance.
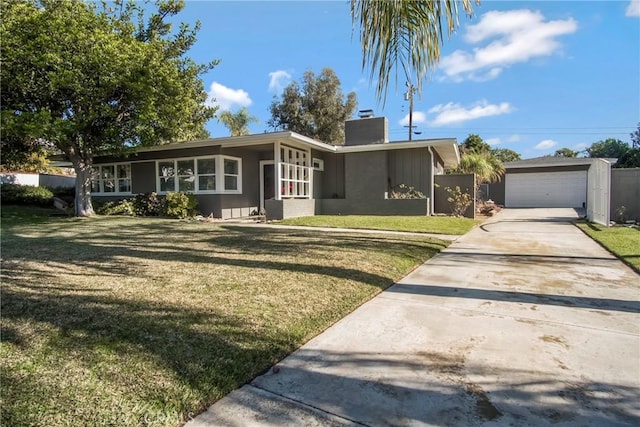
(565, 152)
(609, 148)
(238, 123)
(315, 107)
(474, 144)
(93, 81)
(635, 138)
(403, 34)
(505, 154)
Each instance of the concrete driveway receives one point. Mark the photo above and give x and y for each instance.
(523, 321)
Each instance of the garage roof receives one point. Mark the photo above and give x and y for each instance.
(549, 161)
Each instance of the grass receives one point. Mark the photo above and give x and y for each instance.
(624, 242)
(418, 224)
(147, 321)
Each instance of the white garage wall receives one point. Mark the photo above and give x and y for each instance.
(599, 178)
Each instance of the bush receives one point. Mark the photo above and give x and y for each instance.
(459, 200)
(15, 194)
(148, 204)
(180, 205)
(403, 191)
(118, 207)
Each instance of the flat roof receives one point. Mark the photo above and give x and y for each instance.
(550, 161)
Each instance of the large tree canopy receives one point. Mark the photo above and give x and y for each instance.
(505, 154)
(95, 81)
(565, 152)
(404, 34)
(315, 107)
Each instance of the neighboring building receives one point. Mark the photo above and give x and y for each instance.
(285, 173)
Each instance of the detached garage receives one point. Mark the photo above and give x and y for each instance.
(556, 182)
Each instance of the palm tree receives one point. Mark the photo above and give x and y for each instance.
(238, 123)
(486, 166)
(404, 33)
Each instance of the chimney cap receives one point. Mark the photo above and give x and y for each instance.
(365, 113)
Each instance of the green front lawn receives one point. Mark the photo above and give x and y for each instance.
(624, 242)
(418, 224)
(147, 321)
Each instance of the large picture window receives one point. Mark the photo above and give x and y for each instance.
(111, 179)
(214, 174)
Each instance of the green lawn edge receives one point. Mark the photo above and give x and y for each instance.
(622, 242)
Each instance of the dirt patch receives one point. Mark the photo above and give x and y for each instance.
(554, 340)
(451, 364)
(484, 408)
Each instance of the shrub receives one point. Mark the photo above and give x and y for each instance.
(117, 207)
(403, 191)
(459, 200)
(26, 195)
(148, 204)
(180, 205)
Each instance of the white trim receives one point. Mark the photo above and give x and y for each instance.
(319, 162)
(115, 179)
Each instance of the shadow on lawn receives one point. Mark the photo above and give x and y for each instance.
(202, 358)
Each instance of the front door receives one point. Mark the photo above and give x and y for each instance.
(267, 181)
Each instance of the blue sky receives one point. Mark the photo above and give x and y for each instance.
(529, 76)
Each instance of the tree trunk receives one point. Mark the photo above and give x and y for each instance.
(82, 202)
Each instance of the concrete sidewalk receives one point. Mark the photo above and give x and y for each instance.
(523, 321)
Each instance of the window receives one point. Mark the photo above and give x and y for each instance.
(231, 173)
(111, 179)
(295, 177)
(318, 164)
(207, 174)
(214, 174)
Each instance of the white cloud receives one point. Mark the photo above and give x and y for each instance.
(226, 98)
(513, 138)
(492, 141)
(278, 80)
(418, 118)
(455, 113)
(633, 10)
(513, 37)
(546, 144)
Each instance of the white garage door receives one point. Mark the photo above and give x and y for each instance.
(546, 190)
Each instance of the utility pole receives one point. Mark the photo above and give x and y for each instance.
(408, 96)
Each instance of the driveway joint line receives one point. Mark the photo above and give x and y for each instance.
(494, 314)
(299, 402)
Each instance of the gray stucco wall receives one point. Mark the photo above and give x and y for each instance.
(465, 182)
(496, 192)
(366, 175)
(289, 208)
(332, 178)
(625, 191)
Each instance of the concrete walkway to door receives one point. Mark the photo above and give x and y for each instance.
(523, 321)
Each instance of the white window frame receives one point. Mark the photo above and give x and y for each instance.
(318, 164)
(116, 179)
(294, 175)
(219, 174)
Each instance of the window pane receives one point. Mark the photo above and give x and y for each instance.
(109, 186)
(124, 171)
(95, 172)
(186, 183)
(165, 169)
(207, 183)
(95, 186)
(108, 172)
(124, 186)
(167, 184)
(206, 166)
(185, 167)
(230, 167)
(230, 182)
